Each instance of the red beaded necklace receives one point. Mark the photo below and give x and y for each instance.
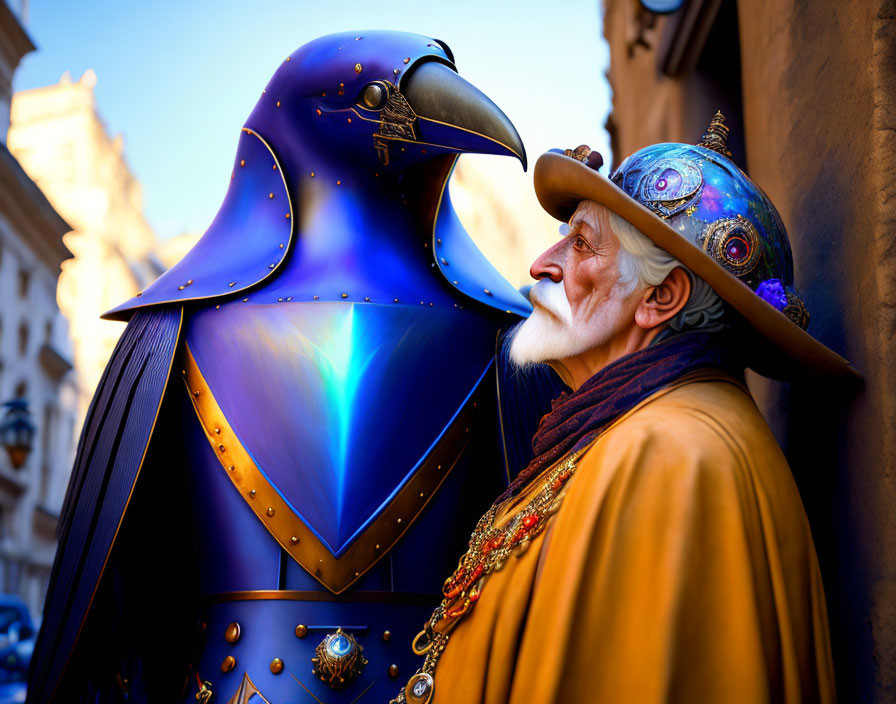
(489, 548)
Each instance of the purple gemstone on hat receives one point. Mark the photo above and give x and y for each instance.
(772, 292)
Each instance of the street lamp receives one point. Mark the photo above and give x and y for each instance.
(17, 431)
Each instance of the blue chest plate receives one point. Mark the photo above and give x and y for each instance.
(329, 413)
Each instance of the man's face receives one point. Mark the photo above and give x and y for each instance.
(579, 302)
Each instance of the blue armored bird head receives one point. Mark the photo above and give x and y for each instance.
(341, 169)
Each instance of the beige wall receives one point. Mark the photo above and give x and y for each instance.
(60, 140)
(815, 104)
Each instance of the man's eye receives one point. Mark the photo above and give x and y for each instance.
(580, 244)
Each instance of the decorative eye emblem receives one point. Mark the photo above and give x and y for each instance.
(338, 659)
(734, 243)
(374, 96)
(670, 185)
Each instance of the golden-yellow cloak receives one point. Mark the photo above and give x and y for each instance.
(679, 568)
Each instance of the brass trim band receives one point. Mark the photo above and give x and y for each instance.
(415, 598)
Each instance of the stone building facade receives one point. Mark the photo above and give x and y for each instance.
(60, 140)
(809, 90)
(35, 353)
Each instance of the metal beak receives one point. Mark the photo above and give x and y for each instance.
(455, 114)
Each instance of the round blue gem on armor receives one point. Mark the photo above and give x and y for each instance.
(339, 646)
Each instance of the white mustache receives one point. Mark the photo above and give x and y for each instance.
(551, 296)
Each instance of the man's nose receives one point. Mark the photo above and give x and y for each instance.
(548, 266)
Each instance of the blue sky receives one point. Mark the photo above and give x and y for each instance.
(179, 78)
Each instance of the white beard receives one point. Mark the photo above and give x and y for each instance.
(550, 334)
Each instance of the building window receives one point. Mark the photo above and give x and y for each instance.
(23, 338)
(24, 280)
(48, 432)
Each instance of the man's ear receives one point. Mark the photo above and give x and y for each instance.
(660, 304)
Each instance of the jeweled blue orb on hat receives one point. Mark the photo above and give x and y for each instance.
(695, 203)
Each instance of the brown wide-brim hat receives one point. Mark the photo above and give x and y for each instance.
(779, 348)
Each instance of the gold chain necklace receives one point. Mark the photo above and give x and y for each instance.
(489, 548)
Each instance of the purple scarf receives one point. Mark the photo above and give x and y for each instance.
(577, 417)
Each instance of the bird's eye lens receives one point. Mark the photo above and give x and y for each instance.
(374, 96)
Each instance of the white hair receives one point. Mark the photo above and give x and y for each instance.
(642, 263)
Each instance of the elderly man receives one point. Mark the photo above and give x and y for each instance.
(655, 549)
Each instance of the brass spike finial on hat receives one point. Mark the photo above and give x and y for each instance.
(716, 135)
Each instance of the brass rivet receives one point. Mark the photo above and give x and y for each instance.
(349, 120)
(287, 216)
(301, 630)
(270, 511)
(312, 174)
(421, 494)
(393, 670)
(358, 68)
(271, 196)
(454, 282)
(357, 39)
(218, 307)
(288, 58)
(232, 634)
(439, 241)
(278, 103)
(294, 539)
(217, 431)
(242, 162)
(276, 666)
(231, 468)
(139, 294)
(228, 664)
(339, 183)
(387, 635)
(367, 298)
(280, 300)
(345, 295)
(252, 493)
(506, 311)
(271, 266)
(274, 167)
(357, 574)
(487, 292)
(316, 298)
(289, 298)
(232, 284)
(245, 300)
(439, 467)
(376, 547)
(189, 282)
(399, 520)
(196, 394)
(443, 260)
(395, 71)
(181, 288)
(396, 300)
(318, 111)
(220, 448)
